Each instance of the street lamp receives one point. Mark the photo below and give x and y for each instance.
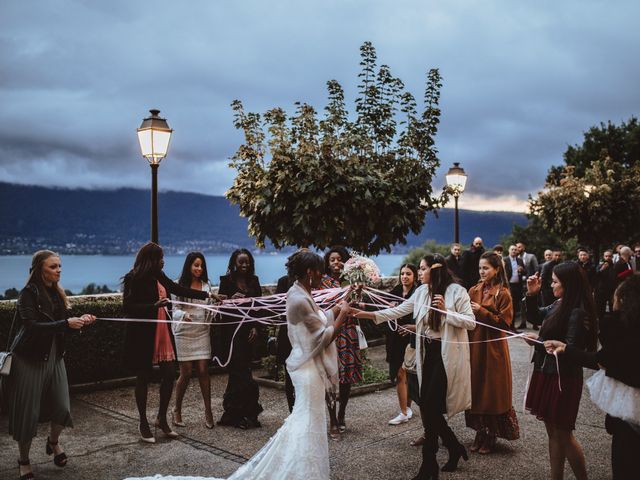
(154, 135)
(456, 181)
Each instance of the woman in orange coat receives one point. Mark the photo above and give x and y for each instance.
(492, 414)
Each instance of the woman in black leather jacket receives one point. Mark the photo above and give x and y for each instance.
(555, 398)
(619, 392)
(38, 388)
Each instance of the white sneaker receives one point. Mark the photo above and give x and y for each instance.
(401, 418)
(409, 413)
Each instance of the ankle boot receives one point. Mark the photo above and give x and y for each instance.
(455, 453)
(429, 469)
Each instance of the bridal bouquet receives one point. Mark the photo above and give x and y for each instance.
(360, 271)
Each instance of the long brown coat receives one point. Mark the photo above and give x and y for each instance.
(490, 362)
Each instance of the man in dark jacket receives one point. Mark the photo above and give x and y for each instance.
(470, 262)
(605, 284)
(584, 260)
(453, 261)
(545, 275)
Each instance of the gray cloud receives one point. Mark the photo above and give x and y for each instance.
(522, 80)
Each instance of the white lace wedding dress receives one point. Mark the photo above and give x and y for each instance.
(299, 450)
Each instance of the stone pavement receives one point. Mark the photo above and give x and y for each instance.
(105, 445)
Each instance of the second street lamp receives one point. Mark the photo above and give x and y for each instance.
(456, 181)
(154, 135)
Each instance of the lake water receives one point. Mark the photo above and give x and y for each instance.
(80, 270)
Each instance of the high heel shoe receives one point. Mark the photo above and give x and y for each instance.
(59, 460)
(209, 424)
(454, 458)
(150, 438)
(166, 432)
(26, 476)
(177, 423)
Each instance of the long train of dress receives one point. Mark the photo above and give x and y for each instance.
(299, 449)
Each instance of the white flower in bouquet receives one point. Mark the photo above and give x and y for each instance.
(361, 271)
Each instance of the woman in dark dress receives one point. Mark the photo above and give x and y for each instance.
(38, 390)
(398, 340)
(572, 320)
(241, 397)
(617, 389)
(146, 295)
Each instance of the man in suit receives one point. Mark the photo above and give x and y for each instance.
(453, 260)
(529, 259)
(636, 257)
(545, 276)
(470, 262)
(514, 268)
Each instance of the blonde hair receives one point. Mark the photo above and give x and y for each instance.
(35, 274)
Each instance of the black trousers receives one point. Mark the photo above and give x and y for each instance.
(433, 405)
(625, 447)
(516, 296)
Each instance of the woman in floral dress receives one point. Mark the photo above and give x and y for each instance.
(349, 360)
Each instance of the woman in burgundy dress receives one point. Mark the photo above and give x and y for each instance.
(571, 319)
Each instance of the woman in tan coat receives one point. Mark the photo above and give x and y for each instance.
(491, 414)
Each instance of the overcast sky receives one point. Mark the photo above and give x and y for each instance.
(522, 80)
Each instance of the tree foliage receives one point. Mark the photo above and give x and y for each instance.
(365, 183)
(598, 208)
(592, 199)
(430, 246)
(538, 238)
(621, 143)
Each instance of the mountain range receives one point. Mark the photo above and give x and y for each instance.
(118, 221)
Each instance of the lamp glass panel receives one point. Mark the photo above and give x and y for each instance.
(457, 182)
(161, 143)
(145, 140)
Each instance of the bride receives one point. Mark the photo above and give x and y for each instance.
(299, 449)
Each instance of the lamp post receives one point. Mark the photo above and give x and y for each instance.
(456, 181)
(154, 135)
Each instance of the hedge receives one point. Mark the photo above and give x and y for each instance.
(97, 353)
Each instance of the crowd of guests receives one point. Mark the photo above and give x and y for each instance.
(462, 365)
(446, 352)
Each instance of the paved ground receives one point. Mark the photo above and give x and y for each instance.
(104, 443)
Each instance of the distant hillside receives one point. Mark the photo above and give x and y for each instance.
(118, 221)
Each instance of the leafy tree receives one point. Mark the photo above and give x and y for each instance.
(93, 289)
(10, 294)
(430, 246)
(621, 143)
(536, 237)
(592, 198)
(307, 181)
(598, 208)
